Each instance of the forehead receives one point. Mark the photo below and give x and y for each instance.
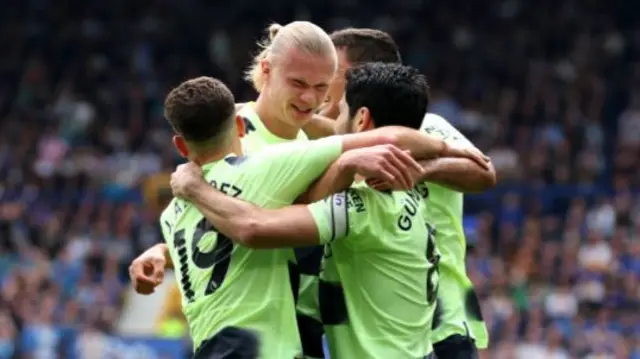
(312, 69)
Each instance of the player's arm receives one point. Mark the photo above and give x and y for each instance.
(158, 252)
(255, 227)
(421, 145)
(320, 126)
(459, 174)
(340, 175)
(147, 270)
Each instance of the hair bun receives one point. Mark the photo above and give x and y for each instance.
(273, 30)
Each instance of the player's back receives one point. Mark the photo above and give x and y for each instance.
(375, 298)
(458, 308)
(230, 289)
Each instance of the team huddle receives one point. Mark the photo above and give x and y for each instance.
(331, 207)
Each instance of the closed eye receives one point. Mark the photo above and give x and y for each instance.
(299, 83)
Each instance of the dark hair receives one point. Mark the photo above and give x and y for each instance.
(394, 94)
(200, 109)
(366, 45)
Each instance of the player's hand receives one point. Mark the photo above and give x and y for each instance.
(184, 178)
(470, 152)
(387, 163)
(329, 109)
(147, 272)
(381, 185)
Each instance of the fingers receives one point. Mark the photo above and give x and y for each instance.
(379, 184)
(158, 274)
(405, 166)
(479, 158)
(146, 275)
(409, 162)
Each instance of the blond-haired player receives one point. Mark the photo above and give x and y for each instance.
(291, 73)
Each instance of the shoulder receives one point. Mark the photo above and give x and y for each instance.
(437, 125)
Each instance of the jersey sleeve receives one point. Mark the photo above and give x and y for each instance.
(331, 216)
(344, 215)
(287, 170)
(436, 125)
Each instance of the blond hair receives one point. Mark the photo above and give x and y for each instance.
(302, 35)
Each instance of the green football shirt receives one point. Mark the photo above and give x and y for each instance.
(223, 284)
(379, 278)
(458, 310)
(257, 137)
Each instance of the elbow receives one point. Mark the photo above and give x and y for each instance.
(485, 181)
(249, 234)
(490, 178)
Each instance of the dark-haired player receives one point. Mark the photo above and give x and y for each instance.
(458, 326)
(379, 281)
(354, 46)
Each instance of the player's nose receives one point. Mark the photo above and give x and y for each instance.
(309, 99)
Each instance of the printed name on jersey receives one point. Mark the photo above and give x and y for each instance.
(443, 133)
(423, 190)
(227, 188)
(411, 204)
(355, 201)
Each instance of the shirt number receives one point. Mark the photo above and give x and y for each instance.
(433, 257)
(218, 258)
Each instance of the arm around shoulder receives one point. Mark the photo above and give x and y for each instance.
(460, 174)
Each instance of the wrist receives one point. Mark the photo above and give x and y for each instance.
(428, 169)
(347, 164)
(159, 251)
(192, 189)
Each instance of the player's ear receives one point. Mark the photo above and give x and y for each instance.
(181, 146)
(265, 67)
(363, 120)
(240, 126)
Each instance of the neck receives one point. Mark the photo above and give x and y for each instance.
(204, 157)
(271, 121)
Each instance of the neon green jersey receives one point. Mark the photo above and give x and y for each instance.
(379, 278)
(225, 285)
(458, 310)
(256, 135)
(256, 138)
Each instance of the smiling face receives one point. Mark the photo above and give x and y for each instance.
(299, 82)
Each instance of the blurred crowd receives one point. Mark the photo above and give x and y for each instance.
(550, 90)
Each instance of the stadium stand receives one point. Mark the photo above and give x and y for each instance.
(550, 89)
